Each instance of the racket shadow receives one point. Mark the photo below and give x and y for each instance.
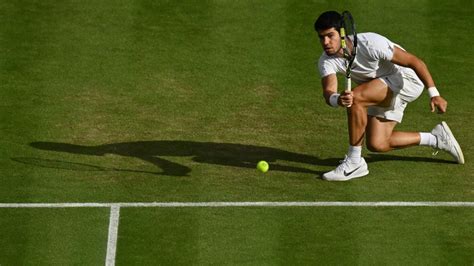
(67, 165)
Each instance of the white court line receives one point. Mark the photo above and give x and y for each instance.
(245, 204)
(113, 234)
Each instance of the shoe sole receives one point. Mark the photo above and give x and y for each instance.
(455, 142)
(348, 177)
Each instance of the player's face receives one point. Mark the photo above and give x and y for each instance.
(330, 41)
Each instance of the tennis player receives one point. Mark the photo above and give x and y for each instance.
(387, 78)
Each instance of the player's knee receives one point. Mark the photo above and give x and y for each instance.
(378, 146)
(357, 97)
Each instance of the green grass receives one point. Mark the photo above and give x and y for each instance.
(296, 236)
(53, 236)
(123, 101)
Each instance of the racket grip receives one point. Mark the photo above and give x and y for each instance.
(348, 84)
(348, 87)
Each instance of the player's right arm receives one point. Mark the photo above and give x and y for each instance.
(329, 84)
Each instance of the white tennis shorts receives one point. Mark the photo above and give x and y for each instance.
(406, 87)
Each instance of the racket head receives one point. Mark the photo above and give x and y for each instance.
(343, 39)
(348, 28)
(58, 164)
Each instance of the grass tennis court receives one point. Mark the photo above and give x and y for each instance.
(176, 101)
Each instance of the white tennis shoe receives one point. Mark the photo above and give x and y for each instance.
(447, 142)
(347, 170)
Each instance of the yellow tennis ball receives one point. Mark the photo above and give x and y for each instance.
(263, 166)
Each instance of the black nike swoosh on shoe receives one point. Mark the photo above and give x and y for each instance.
(350, 173)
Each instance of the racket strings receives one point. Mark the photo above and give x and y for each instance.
(348, 38)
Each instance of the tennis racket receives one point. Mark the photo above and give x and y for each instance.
(348, 39)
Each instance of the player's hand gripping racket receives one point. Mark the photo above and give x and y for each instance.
(348, 44)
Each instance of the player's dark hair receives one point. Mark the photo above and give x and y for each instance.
(327, 20)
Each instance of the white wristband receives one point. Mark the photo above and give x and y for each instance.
(433, 92)
(333, 99)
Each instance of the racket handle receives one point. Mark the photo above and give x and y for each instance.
(348, 84)
(348, 87)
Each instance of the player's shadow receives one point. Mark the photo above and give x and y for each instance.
(228, 154)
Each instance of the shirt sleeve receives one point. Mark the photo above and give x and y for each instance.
(326, 67)
(381, 48)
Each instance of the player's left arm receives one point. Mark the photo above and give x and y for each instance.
(406, 59)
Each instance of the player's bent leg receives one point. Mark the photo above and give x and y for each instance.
(381, 136)
(379, 132)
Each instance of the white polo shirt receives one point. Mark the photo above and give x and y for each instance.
(374, 53)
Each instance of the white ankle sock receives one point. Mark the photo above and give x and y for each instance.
(428, 139)
(354, 153)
